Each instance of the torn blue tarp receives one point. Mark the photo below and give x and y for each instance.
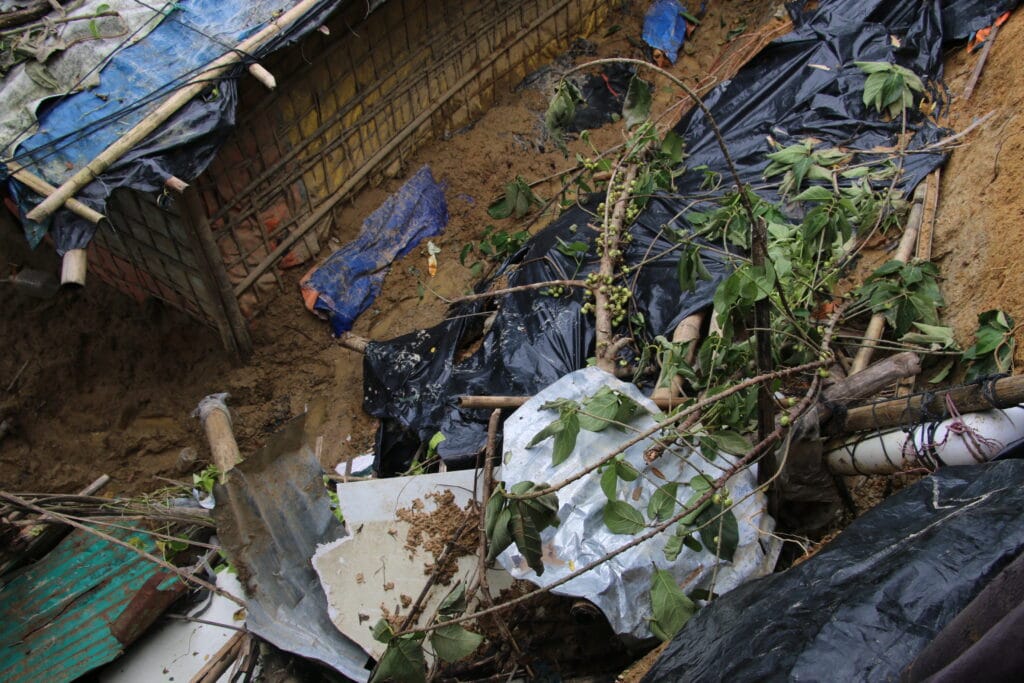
(349, 280)
(665, 27)
(136, 79)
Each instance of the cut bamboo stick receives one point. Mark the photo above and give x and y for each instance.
(170, 106)
(45, 189)
(175, 183)
(73, 267)
(213, 412)
(263, 76)
(907, 245)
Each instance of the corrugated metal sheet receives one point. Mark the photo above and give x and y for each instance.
(272, 512)
(79, 607)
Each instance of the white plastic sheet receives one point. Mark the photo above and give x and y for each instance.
(621, 586)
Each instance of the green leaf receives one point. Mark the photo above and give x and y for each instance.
(942, 337)
(637, 105)
(856, 172)
(790, 155)
(672, 148)
(609, 482)
(452, 643)
(628, 409)
(815, 193)
(517, 201)
(942, 372)
(625, 471)
(720, 536)
(526, 536)
(673, 547)
(731, 442)
(565, 439)
(873, 67)
(562, 110)
(622, 518)
(663, 502)
(552, 429)
(670, 607)
(602, 407)
(691, 517)
(382, 632)
(502, 537)
(454, 603)
(402, 661)
(495, 504)
(701, 483)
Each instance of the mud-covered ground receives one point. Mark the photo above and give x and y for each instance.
(107, 386)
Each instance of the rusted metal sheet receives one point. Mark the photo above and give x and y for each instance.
(80, 606)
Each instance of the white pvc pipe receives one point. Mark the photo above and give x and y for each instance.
(964, 440)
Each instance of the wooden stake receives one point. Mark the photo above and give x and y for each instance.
(217, 423)
(976, 74)
(214, 70)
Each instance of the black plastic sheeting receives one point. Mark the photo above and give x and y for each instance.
(183, 146)
(866, 605)
(412, 382)
(415, 380)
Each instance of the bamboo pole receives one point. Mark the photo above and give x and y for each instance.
(1002, 393)
(976, 74)
(906, 249)
(45, 189)
(170, 106)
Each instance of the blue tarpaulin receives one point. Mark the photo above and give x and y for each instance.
(74, 129)
(349, 280)
(665, 27)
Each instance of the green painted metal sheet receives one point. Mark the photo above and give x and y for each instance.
(80, 606)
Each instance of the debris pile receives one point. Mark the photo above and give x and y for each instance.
(620, 429)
